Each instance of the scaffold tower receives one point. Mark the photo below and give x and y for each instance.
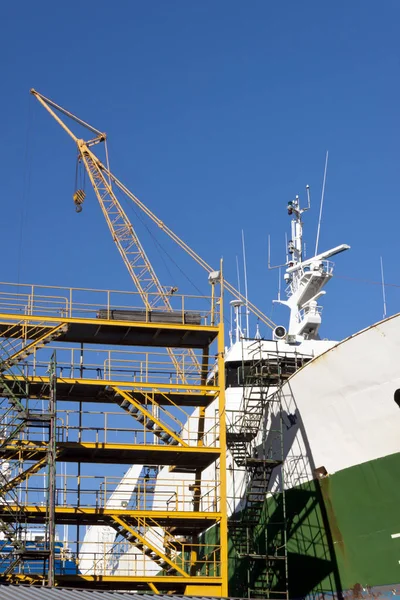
(87, 389)
(255, 438)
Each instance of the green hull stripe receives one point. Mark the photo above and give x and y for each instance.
(339, 532)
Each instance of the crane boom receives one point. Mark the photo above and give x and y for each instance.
(121, 229)
(125, 237)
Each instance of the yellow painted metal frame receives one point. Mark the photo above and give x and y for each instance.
(195, 586)
(6, 317)
(130, 385)
(223, 449)
(82, 451)
(39, 446)
(76, 511)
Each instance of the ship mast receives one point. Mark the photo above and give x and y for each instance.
(305, 278)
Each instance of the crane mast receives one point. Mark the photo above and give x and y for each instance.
(136, 261)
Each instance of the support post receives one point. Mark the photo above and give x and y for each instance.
(222, 440)
(52, 456)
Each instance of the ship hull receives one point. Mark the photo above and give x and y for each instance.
(342, 472)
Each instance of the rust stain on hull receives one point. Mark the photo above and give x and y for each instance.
(335, 532)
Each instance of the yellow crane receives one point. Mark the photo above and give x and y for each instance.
(122, 231)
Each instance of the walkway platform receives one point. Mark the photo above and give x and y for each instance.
(121, 333)
(193, 585)
(182, 522)
(99, 390)
(186, 458)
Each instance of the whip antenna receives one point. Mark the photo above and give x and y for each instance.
(322, 203)
(383, 290)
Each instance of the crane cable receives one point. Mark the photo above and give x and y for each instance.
(26, 186)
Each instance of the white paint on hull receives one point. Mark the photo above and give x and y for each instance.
(345, 399)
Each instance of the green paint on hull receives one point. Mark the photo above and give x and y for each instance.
(363, 506)
(339, 532)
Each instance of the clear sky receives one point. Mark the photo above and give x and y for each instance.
(217, 114)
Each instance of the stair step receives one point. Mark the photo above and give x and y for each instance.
(171, 570)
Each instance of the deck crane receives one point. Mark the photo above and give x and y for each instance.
(122, 231)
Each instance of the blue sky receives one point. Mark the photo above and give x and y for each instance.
(217, 114)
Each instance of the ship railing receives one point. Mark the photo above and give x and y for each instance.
(325, 267)
(309, 311)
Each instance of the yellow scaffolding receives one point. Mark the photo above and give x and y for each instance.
(113, 356)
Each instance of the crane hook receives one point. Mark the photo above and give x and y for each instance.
(79, 198)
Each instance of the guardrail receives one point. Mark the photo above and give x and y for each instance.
(125, 560)
(117, 427)
(119, 365)
(105, 492)
(87, 303)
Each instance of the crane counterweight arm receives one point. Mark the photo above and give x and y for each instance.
(46, 102)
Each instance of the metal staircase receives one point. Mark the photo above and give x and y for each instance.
(13, 351)
(16, 420)
(255, 440)
(151, 419)
(167, 558)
